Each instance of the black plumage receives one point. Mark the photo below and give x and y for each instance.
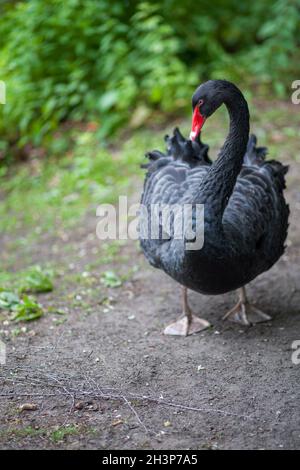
(245, 214)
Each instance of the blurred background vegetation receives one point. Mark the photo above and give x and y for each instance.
(90, 81)
(93, 84)
(115, 62)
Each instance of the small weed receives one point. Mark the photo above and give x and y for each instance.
(131, 271)
(9, 301)
(27, 310)
(22, 309)
(109, 251)
(22, 306)
(59, 434)
(56, 311)
(59, 321)
(28, 431)
(55, 434)
(37, 281)
(110, 279)
(16, 332)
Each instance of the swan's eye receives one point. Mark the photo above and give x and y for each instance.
(200, 103)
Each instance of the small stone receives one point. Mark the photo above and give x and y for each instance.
(28, 407)
(117, 422)
(93, 407)
(79, 405)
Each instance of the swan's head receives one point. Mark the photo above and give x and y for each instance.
(205, 101)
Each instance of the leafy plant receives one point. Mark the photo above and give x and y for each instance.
(27, 310)
(110, 279)
(115, 63)
(37, 281)
(59, 434)
(80, 59)
(22, 309)
(8, 300)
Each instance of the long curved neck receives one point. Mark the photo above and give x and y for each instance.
(218, 185)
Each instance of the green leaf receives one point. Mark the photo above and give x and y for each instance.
(8, 300)
(37, 281)
(27, 310)
(108, 100)
(110, 279)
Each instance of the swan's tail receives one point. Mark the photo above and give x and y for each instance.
(254, 155)
(178, 148)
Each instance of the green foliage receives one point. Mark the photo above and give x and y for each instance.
(113, 62)
(32, 280)
(8, 300)
(61, 188)
(27, 310)
(22, 309)
(277, 61)
(37, 281)
(61, 433)
(80, 59)
(111, 279)
(14, 286)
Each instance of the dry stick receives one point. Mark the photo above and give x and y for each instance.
(136, 415)
(89, 379)
(111, 393)
(132, 396)
(69, 393)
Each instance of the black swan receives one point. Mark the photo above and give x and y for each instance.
(245, 214)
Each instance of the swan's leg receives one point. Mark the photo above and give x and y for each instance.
(189, 324)
(245, 313)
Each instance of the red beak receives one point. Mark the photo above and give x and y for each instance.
(197, 123)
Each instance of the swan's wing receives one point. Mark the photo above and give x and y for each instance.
(257, 212)
(169, 184)
(172, 183)
(174, 176)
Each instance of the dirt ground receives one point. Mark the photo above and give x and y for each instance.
(103, 376)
